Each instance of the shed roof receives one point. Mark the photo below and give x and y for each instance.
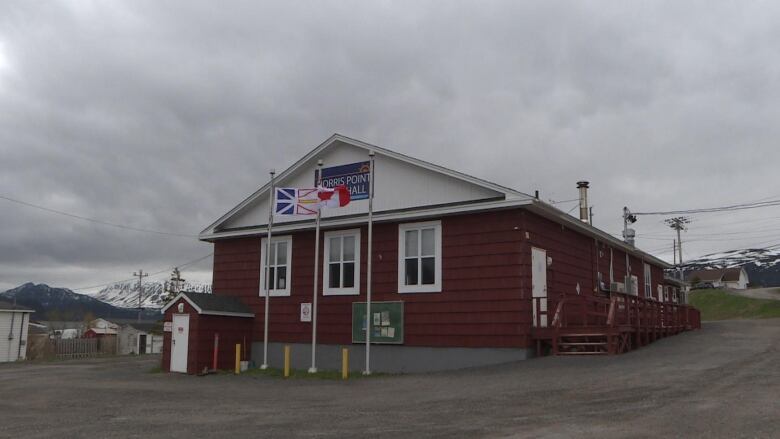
(716, 274)
(8, 306)
(213, 304)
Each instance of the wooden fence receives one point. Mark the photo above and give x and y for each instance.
(83, 347)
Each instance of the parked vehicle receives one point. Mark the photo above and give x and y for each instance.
(703, 286)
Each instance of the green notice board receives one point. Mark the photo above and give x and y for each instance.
(387, 322)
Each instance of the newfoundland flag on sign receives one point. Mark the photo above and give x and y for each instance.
(296, 201)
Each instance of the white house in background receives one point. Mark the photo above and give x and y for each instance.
(140, 338)
(14, 321)
(734, 278)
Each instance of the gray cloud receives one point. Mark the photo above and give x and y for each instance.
(164, 115)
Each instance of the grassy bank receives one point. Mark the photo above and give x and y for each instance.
(720, 305)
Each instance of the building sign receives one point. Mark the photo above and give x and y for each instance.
(356, 176)
(167, 326)
(305, 312)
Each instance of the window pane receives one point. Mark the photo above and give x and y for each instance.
(335, 249)
(349, 248)
(281, 253)
(272, 259)
(411, 271)
(271, 278)
(349, 275)
(281, 278)
(428, 271)
(427, 242)
(411, 243)
(334, 280)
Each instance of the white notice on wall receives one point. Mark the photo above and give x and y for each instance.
(167, 326)
(306, 312)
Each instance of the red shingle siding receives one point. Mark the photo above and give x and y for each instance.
(482, 284)
(486, 280)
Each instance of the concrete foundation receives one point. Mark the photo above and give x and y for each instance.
(388, 358)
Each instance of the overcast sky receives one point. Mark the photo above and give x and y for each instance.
(164, 115)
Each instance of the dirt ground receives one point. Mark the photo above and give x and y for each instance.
(720, 382)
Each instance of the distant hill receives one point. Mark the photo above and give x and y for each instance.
(125, 294)
(62, 304)
(762, 266)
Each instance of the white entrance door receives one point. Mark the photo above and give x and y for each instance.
(539, 285)
(180, 335)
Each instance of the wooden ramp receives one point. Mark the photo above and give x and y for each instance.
(606, 325)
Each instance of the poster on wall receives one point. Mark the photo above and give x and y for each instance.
(306, 312)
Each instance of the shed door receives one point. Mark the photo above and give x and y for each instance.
(539, 286)
(180, 335)
(141, 344)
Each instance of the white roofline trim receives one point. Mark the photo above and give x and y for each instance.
(227, 314)
(508, 192)
(17, 310)
(200, 311)
(563, 217)
(176, 299)
(378, 217)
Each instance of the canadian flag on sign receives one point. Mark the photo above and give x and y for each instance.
(337, 196)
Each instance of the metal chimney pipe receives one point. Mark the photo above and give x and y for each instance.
(583, 187)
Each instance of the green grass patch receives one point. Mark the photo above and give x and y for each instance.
(720, 305)
(304, 374)
(155, 369)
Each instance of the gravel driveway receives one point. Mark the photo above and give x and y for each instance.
(720, 382)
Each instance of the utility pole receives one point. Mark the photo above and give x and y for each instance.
(141, 275)
(679, 223)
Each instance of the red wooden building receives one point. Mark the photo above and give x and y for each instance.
(202, 330)
(478, 273)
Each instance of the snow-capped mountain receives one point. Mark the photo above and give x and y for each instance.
(125, 294)
(762, 265)
(59, 304)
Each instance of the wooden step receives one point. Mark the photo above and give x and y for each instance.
(583, 353)
(562, 343)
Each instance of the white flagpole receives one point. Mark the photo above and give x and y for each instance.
(313, 368)
(267, 271)
(368, 263)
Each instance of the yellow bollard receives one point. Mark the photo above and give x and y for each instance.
(287, 361)
(238, 358)
(344, 363)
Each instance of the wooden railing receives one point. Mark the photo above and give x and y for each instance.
(617, 310)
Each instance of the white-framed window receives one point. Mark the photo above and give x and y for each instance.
(648, 282)
(419, 257)
(341, 264)
(280, 268)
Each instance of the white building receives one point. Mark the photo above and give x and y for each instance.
(13, 331)
(734, 278)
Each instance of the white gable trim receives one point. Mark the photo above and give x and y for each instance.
(334, 222)
(176, 299)
(182, 295)
(507, 192)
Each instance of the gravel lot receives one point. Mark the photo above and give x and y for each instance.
(722, 381)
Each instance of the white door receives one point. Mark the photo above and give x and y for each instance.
(180, 335)
(539, 284)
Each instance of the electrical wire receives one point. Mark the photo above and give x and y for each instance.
(744, 206)
(186, 264)
(95, 221)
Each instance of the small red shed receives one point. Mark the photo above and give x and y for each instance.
(199, 327)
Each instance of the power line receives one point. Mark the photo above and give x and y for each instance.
(93, 220)
(186, 264)
(754, 205)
